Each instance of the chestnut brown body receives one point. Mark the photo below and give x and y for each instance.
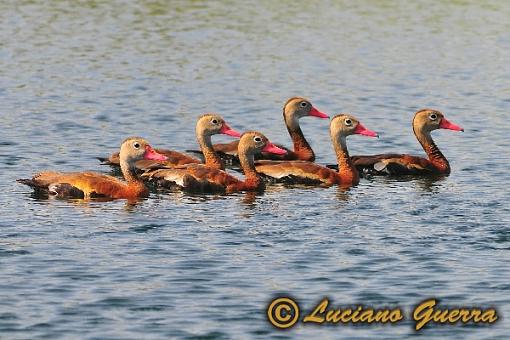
(424, 122)
(305, 172)
(294, 109)
(91, 184)
(202, 178)
(207, 125)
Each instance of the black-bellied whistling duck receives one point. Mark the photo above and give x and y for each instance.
(90, 184)
(207, 125)
(425, 121)
(201, 178)
(304, 172)
(294, 109)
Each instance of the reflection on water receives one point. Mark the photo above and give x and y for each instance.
(426, 184)
(80, 76)
(250, 198)
(342, 194)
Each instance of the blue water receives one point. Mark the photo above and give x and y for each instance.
(77, 77)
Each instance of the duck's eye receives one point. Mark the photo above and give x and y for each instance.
(348, 122)
(433, 116)
(257, 139)
(303, 104)
(214, 121)
(136, 145)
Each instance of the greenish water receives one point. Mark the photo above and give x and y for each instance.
(77, 77)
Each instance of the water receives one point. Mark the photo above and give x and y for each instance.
(77, 77)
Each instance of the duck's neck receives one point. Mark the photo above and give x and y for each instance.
(133, 181)
(210, 156)
(347, 173)
(432, 151)
(252, 179)
(299, 141)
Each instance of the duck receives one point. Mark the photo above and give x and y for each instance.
(202, 178)
(294, 109)
(207, 125)
(305, 172)
(424, 122)
(88, 185)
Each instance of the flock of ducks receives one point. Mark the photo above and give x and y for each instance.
(259, 159)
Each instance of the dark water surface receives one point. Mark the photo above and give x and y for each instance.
(77, 77)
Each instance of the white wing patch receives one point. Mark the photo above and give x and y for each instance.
(174, 177)
(380, 166)
(289, 169)
(171, 175)
(268, 171)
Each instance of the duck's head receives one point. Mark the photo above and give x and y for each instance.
(428, 120)
(253, 142)
(212, 124)
(299, 107)
(134, 149)
(343, 125)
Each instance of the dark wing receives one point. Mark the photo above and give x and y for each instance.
(393, 165)
(192, 177)
(294, 172)
(112, 160)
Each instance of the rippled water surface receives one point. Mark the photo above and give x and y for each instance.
(77, 77)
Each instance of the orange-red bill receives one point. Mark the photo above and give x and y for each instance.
(152, 155)
(361, 130)
(271, 148)
(227, 130)
(445, 124)
(316, 113)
